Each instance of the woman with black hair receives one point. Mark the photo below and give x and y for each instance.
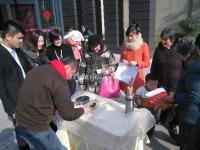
(167, 65)
(186, 48)
(193, 142)
(97, 62)
(35, 48)
(187, 95)
(36, 52)
(135, 51)
(58, 49)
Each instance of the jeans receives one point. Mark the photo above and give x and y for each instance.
(20, 141)
(40, 140)
(185, 130)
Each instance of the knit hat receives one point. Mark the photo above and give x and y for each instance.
(94, 40)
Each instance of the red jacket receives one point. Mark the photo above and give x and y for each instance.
(141, 56)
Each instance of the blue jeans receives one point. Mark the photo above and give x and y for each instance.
(42, 140)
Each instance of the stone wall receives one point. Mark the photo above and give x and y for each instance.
(144, 12)
(117, 14)
(169, 14)
(69, 12)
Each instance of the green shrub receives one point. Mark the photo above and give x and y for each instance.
(190, 27)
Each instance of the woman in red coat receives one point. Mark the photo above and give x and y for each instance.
(135, 52)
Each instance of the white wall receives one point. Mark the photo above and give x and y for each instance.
(171, 12)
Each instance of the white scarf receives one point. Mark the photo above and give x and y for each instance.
(134, 45)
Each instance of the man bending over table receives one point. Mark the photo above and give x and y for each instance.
(44, 90)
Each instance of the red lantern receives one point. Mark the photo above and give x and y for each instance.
(47, 15)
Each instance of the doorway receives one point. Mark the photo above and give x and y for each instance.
(4, 15)
(25, 14)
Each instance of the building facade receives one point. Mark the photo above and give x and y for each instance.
(33, 14)
(109, 18)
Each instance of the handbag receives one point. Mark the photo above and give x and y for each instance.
(109, 87)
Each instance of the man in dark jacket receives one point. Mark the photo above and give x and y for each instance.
(187, 97)
(193, 142)
(13, 68)
(44, 90)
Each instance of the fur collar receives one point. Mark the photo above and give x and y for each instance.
(134, 45)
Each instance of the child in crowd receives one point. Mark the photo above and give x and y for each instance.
(75, 38)
(151, 83)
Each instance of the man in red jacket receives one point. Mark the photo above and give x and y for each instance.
(44, 89)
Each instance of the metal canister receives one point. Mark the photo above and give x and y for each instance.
(129, 105)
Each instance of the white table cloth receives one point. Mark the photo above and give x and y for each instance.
(107, 127)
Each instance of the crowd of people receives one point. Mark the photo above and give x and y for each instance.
(36, 80)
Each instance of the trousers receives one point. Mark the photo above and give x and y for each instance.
(40, 140)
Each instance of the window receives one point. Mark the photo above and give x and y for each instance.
(25, 14)
(47, 15)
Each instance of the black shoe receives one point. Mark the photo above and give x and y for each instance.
(150, 133)
(24, 147)
(173, 132)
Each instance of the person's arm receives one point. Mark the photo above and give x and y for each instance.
(122, 51)
(64, 105)
(137, 99)
(138, 96)
(4, 96)
(25, 59)
(145, 57)
(154, 66)
(111, 58)
(111, 63)
(72, 43)
(81, 36)
(43, 59)
(192, 91)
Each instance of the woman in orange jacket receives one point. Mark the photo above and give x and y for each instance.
(135, 51)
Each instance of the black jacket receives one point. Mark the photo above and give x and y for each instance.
(166, 65)
(187, 95)
(52, 50)
(11, 77)
(35, 60)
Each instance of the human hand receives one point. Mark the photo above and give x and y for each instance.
(87, 109)
(137, 99)
(109, 70)
(132, 63)
(171, 93)
(156, 108)
(124, 61)
(13, 115)
(169, 98)
(99, 71)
